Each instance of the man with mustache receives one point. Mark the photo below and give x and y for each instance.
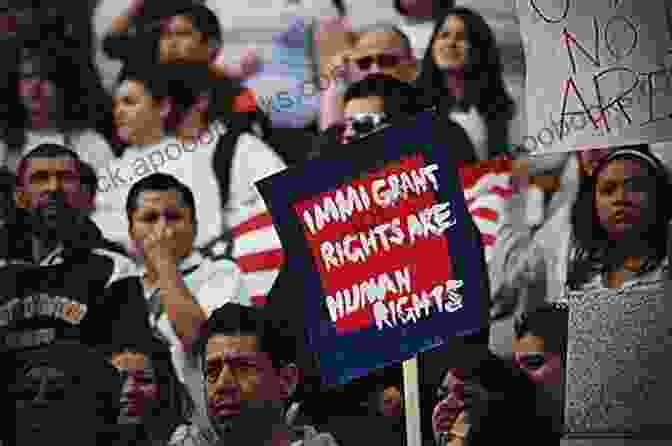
(249, 373)
(61, 283)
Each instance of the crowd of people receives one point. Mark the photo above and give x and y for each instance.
(143, 276)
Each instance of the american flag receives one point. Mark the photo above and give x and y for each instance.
(258, 253)
(487, 188)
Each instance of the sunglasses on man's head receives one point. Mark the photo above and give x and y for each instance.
(382, 60)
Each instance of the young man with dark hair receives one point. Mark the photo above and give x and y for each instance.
(249, 370)
(375, 101)
(182, 287)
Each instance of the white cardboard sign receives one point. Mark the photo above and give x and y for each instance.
(599, 72)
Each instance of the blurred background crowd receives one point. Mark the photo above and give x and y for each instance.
(169, 105)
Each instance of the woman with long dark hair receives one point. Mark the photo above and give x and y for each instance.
(617, 233)
(52, 93)
(461, 74)
(154, 402)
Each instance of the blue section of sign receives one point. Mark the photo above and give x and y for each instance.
(343, 357)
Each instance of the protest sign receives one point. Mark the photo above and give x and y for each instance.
(599, 73)
(388, 256)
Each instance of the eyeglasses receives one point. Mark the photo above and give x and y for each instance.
(385, 60)
(363, 123)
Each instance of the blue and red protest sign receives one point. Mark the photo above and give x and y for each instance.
(387, 259)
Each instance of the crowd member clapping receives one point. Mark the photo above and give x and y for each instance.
(153, 401)
(461, 74)
(53, 93)
(181, 286)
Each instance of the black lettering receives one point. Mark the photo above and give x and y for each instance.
(608, 43)
(564, 112)
(651, 93)
(546, 19)
(618, 100)
(594, 59)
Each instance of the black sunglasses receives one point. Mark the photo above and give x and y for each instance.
(363, 123)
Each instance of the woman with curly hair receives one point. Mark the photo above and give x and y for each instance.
(52, 93)
(461, 75)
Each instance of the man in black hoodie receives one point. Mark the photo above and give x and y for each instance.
(60, 282)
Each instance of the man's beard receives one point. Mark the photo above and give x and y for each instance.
(55, 218)
(254, 425)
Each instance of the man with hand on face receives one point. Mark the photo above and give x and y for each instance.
(249, 374)
(182, 287)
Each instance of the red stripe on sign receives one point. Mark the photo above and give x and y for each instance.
(485, 213)
(252, 224)
(488, 239)
(258, 301)
(261, 261)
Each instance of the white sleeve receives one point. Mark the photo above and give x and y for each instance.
(252, 161)
(224, 285)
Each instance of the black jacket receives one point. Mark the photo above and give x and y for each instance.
(84, 292)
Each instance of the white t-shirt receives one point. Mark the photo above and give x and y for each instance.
(474, 125)
(192, 165)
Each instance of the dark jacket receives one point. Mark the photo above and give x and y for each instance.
(84, 292)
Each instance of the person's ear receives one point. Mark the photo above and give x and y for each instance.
(289, 380)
